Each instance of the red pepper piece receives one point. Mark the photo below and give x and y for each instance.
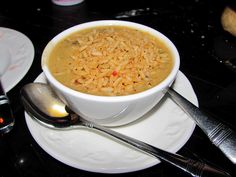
(115, 73)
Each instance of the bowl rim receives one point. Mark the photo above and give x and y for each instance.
(160, 87)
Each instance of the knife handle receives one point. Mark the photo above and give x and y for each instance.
(219, 134)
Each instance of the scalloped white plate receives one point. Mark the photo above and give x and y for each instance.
(166, 127)
(21, 52)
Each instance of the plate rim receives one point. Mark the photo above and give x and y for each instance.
(21, 75)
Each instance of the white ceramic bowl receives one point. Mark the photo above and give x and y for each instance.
(110, 110)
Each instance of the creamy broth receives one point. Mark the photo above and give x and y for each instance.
(110, 61)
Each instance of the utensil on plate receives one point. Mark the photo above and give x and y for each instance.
(219, 134)
(7, 120)
(45, 107)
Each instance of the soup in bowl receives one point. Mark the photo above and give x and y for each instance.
(110, 72)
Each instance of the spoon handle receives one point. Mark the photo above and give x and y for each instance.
(195, 168)
(219, 134)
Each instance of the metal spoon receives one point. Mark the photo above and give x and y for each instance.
(45, 107)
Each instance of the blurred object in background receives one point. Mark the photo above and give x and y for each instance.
(67, 2)
(228, 20)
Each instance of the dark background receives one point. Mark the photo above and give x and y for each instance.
(194, 27)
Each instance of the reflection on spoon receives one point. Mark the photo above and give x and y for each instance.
(45, 107)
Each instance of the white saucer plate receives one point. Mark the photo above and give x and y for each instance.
(21, 52)
(166, 127)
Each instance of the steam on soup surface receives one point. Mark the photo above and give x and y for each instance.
(110, 61)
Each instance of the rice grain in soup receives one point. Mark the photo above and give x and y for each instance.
(110, 61)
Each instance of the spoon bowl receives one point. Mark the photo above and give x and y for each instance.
(46, 108)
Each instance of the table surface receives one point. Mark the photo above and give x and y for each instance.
(193, 25)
